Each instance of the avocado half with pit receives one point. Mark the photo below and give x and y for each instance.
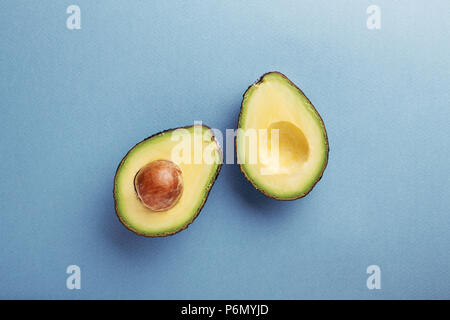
(281, 143)
(163, 182)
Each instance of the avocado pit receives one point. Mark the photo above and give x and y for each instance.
(159, 185)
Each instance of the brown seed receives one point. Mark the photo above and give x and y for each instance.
(159, 185)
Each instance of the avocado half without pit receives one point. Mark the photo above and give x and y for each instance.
(163, 182)
(289, 158)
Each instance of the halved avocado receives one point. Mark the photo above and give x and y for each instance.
(163, 182)
(300, 138)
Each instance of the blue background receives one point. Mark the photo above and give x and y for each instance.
(74, 101)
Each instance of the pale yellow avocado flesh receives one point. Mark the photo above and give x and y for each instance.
(198, 178)
(274, 102)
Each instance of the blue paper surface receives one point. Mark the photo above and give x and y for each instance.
(73, 102)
